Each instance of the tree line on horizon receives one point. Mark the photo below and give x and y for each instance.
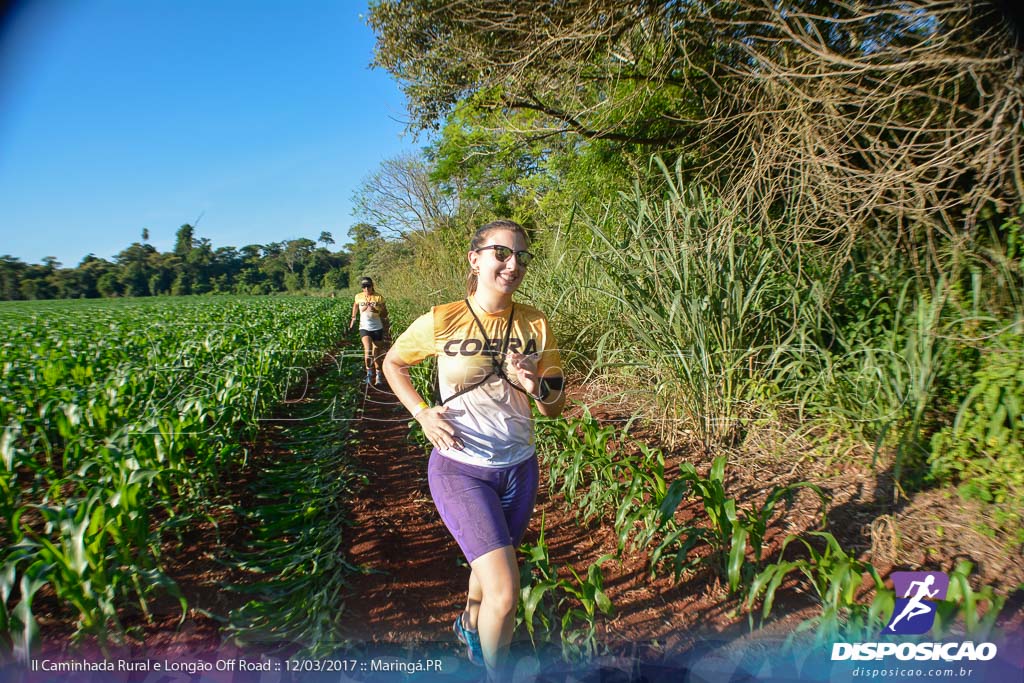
(195, 266)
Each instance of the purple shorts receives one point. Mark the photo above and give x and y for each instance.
(484, 508)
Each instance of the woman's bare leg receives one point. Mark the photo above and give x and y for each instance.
(377, 353)
(367, 351)
(498, 576)
(473, 598)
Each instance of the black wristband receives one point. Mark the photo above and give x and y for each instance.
(545, 391)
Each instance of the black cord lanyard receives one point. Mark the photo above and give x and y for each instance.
(497, 367)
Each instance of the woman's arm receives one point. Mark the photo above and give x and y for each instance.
(550, 404)
(355, 308)
(384, 319)
(436, 427)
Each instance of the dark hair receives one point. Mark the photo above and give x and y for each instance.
(366, 282)
(480, 236)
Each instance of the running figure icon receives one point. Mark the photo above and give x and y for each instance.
(915, 606)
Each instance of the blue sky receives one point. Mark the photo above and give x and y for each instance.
(117, 115)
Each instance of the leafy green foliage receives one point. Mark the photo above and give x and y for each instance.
(552, 607)
(731, 530)
(835, 577)
(983, 448)
(484, 161)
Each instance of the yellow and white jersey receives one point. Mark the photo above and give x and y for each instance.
(370, 307)
(493, 420)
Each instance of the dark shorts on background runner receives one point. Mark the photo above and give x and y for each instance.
(484, 508)
(375, 335)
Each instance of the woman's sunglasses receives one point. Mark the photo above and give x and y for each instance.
(503, 253)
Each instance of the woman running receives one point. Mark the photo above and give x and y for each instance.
(374, 328)
(494, 358)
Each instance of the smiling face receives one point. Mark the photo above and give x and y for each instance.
(500, 277)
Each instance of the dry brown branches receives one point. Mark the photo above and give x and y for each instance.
(835, 122)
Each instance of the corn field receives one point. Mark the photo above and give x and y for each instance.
(118, 420)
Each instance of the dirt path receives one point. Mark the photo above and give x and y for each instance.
(414, 585)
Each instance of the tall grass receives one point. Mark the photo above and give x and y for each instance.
(569, 286)
(423, 269)
(707, 309)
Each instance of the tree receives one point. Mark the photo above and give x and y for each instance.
(336, 278)
(182, 285)
(317, 264)
(199, 266)
(145, 234)
(272, 267)
(108, 285)
(67, 284)
(296, 253)
(195, 267)
(249, 275)
(11, 271)
(227, 264)
(184, 241)
(32, 288)
(90, 270)
(401, 198)
(836, 123)
(135, 269)
(497, 172)
(164, 268)
(366, 240)
(588, 66)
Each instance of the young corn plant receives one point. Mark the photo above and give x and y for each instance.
(977, 610)
(19, 624)
(579, 624)
(597, 470)
(638, 513)
(118, 419)
(584, 466)
(731, 531)
(835, 577)
(299, 532)
(553, 608)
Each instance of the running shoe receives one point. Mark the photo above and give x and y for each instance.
(380, 379)
(471, 639)
(369, 377)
